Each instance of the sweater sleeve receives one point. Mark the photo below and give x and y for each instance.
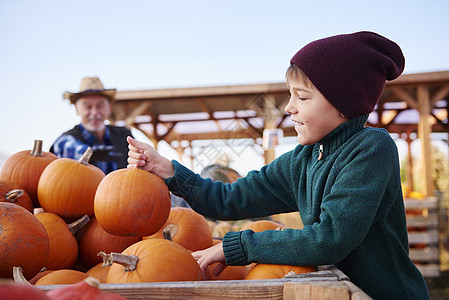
(259, 194)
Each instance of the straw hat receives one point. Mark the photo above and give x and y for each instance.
(90, 86)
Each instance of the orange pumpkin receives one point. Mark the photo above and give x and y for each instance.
(158, 260)
(270, 271)
(12, 193)
(85, 289)
(67, 187)
(93, 239)
(187, 228)
(25, 168)
(99, 271)
(262, 225)
(63, 245)
(132, 202)
(63, 276)
(24, 241)
(39, 275)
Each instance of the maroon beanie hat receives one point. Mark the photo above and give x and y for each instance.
(350, 70)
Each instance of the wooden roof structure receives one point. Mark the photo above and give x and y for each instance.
(413, 103)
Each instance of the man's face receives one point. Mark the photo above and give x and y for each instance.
(93, 110)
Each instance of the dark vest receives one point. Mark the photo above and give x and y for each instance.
(118, 140)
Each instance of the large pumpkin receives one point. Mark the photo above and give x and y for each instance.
(67, 187)
(25, 168)
(270, 271)
(63, 245)
(24, 241)
(12, 193)
(92, 238)
(153, 260)
(187, 228)
(132, 202)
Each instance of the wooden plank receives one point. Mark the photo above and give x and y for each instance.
(425, 255)
(430, 270)
(429, 202)
(316, 291)
(432, 220)
(426, 237)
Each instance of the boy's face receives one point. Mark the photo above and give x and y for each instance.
(313, 115)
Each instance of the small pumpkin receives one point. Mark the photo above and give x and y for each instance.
(63, 245)
(67, 187)
(153, 260)
(271, 271)
(63, 276)
(262, 225)
(92, 238)
(85, 289)
(24, 241)
(24, 168)
(132, 202)
(12, 193)
(187, 228)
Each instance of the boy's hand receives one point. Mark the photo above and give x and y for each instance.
(209, 256)
(142, 155)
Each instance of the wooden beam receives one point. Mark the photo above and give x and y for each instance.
(424, 130)
(403, 95)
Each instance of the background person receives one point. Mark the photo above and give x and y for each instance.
(93, 103)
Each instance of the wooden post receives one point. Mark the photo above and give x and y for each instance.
(409, 141)
(424, 130)
(269, 154)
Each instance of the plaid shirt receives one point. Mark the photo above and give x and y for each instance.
(69, 147)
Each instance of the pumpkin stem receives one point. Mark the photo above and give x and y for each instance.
(78, 224)
(86, 156)
(14, 195)
(37, 148)
(128, 261)
(17, 274)
(170, 231)
(92, 281)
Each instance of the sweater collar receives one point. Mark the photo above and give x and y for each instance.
(342, 133)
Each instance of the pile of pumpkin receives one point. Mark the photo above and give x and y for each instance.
(118, 228)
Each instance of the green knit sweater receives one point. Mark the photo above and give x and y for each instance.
(350, 202)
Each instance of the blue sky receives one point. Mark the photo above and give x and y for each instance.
(48, 46)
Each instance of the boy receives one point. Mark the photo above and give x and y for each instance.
(342, 177)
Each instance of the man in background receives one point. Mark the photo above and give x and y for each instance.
(93, 103)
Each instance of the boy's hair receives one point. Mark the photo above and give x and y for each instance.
(350, 70)
(295, 74)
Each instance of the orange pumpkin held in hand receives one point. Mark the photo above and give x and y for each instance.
(132, 202)
(25, 168)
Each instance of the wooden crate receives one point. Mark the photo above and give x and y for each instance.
(326, 283)
(423, 233)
